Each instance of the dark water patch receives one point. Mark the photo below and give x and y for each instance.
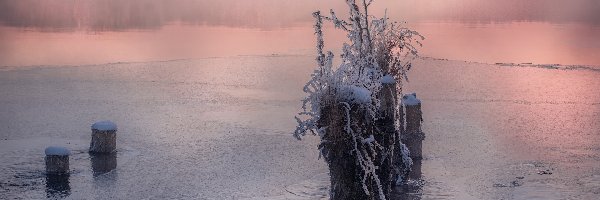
(553, 66)
(522, 102)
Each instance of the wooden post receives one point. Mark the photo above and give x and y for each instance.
(414, 117)
(338, 145)
(388, 139)
(57, 160)
(343, 170)
(413, 113)
(388, 98)
(104, 137)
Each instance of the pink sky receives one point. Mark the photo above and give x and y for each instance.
(60, 32)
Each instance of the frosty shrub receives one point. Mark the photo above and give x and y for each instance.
(343, 103)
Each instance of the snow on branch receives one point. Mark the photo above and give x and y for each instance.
(377, 51)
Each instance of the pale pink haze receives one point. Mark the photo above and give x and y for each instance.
(94, 32)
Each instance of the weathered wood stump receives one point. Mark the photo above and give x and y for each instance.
(413, 113)
(339, 147)
(57, 160)
(389, 138)
(104, 137)
(337, 151)
(414, 135)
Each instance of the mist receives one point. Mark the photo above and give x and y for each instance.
(115, 15)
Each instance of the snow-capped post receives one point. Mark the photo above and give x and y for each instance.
(104, 137)
(387, 97)
(337, 148)
(385, 124)
(57, 160)
(353, 107)
(414, 117)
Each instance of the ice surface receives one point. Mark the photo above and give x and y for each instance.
(225, 123)
(104, 126)
(388, 79)
(57, 151)
(411, 99)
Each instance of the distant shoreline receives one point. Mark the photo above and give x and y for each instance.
(594, 68)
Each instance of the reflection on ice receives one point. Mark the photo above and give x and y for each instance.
(57, 186)
(315, 188)
(413, 188)
(103, 163)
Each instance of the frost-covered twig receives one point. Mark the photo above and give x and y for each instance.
(376, 48)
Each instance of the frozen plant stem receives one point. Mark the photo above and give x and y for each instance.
(344, 104)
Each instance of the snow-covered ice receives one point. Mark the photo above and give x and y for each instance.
(219, 128)
(213, 128)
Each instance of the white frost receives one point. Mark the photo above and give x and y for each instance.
(104, 126)
(369, 139)
(388, 79)
(374, 50)
(406, 161)
(354, 94)
(411, 99)
(57, 151)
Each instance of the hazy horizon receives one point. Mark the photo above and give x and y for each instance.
(76, 32)
(107, 15)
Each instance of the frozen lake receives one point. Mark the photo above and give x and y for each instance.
(210, 128)
(220, 128)
(204, 94)
(508, 132)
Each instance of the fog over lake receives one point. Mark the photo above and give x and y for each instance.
(107, 15)
(92, 32)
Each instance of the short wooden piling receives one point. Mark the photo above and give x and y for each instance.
(414, 134)
(388, 99)
(57, 160)
(344, 172)
(339, 147)
(413, 113)
(104, 137)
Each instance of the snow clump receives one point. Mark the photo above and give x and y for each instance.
(57, 151)
(104, 126)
